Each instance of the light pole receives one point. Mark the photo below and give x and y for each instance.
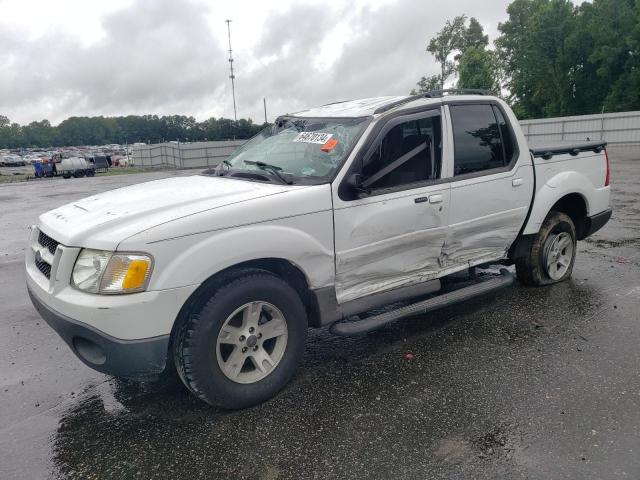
(232, 76)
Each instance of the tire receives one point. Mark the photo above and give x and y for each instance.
(199, 355)
(91, 173)
(532, 269)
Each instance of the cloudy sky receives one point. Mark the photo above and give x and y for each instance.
(60, 58)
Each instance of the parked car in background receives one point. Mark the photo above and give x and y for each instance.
(12, 161)
(319, 220)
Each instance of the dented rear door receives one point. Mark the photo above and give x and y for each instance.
(492, 183)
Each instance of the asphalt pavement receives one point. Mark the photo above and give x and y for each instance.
(533, 383)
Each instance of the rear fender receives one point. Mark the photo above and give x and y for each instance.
(554, 189)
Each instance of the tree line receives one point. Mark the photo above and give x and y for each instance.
(551, 58)
(76, 131)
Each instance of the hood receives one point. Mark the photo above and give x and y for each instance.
(104, 220)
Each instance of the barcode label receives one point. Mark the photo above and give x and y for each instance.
(313, 137)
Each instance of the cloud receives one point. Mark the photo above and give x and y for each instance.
(155, 56)
(164, 57)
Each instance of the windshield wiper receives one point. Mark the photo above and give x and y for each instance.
(270, 168)
(227, 164)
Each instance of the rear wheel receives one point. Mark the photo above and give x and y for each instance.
(552, 254)
(244, 344)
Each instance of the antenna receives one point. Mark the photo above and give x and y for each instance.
(232, 76)
(264, 101)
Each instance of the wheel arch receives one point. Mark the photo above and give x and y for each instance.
(574, 205)
(573, 202)
(280, 267)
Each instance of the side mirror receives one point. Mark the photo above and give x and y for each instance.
(354, 181)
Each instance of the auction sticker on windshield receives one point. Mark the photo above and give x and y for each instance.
(313, 137)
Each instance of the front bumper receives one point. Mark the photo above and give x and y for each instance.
(137, 359)
(122, 335)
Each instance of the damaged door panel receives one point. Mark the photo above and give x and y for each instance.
(491, 189)
(393, 236)
(389, 242)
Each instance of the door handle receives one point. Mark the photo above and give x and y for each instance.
(435, 199)
(516, 182)
(421, 199)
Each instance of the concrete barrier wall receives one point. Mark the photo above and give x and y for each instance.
(621, 128)
(183, 155)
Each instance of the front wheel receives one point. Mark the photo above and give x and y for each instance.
(552, 254)
(244, 345)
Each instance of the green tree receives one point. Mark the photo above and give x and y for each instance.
(445, 43)
(625, 91)
(427, 84)
(477, 69)
(449, 47)
(612, 30)
(38, 133)
(76, 131)
(537, 57)
(473, 36)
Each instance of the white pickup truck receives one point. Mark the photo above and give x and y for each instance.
(316, 221)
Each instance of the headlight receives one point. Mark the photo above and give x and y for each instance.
(97, 271)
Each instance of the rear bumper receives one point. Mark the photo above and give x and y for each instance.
(597, 221)
(136, 359)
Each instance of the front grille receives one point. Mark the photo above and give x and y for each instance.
(44, 267)
(48, 242)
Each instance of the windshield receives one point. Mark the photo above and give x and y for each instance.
(299, 148)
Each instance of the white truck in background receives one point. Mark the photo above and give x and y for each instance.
(322, 217)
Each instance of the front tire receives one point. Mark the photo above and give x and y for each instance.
(553, 252)
(244, 344)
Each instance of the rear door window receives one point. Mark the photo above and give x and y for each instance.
(477, 139)
(507, 137)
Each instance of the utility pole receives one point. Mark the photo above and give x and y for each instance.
(264, 101)
(232, 76)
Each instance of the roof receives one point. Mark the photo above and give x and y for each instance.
(351, 108)
(377, 105)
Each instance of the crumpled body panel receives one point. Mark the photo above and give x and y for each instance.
(395, 262)
(385, 244)
(486, 237)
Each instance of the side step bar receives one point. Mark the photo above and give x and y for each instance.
(356, 327)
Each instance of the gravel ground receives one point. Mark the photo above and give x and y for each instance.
(528, 383)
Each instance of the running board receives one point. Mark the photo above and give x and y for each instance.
(356, 327)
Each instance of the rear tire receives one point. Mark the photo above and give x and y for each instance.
(553, 252)
(199, 353)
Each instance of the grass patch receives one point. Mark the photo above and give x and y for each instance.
(13, 178)
(111, 172)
